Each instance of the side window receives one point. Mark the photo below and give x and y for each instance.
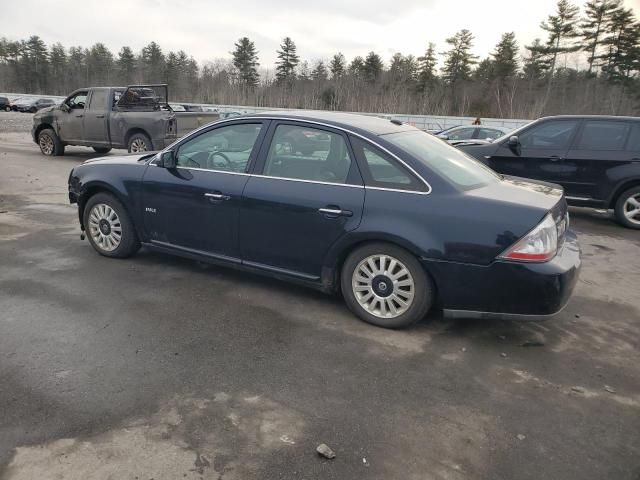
(462, 134)
(225, 149)
(633, 144)
(380, 170)
(549, 135)
(78, 101)
(603, 135)
(308, 154)
(490, 133)
(98, 100)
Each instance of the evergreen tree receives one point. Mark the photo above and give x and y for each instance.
(537, 64)
(427, 69)
(485, 71)
(153, 62)
(372, 67)
(245, 60)
(562, 31)
(598, 15)
(287, 61)
(126, 65)
(356, 67)
(58, 61)
(35, 61)
(623, 45)
(319, 72)
(303, 71)
(505, 57)
(99, 62)
(338, 65)
(459, 59)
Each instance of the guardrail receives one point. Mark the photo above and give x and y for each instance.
(423, 122)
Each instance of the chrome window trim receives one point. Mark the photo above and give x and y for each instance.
(314, 122)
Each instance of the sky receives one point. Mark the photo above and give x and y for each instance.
(207, 29)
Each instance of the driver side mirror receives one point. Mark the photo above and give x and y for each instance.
(65, 108)
(168, 159)
(514, 144)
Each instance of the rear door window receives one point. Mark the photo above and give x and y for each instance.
(98, 100)
(633, 145)
(489, 133)
(304, 153)
(603, 135)
(553, 134)
(461, 134)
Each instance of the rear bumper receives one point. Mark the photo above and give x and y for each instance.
(508, 290)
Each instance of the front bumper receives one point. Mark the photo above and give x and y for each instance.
(508, 290)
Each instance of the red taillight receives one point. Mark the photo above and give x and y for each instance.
(539, 245)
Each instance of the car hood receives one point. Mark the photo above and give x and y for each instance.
(47, 109)
(120, 159)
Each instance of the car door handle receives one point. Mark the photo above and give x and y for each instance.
(332, 212)
(217, 196)
(99, 116)
(555, 158)
(80, 115)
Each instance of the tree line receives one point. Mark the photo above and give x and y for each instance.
(587, 62)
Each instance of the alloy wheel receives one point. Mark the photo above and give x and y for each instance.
(383, 286)
(105, 227)
(631, 209)
(46, 144)
(138, 145)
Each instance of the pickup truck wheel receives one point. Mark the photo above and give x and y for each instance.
(385, 285)
(33, 110)
(627, 208)
(7, 108)
(138, 143)
(109, 227)
(49, 143)
(101, 150)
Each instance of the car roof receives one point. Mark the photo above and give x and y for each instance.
(590, 117)
(367, 123)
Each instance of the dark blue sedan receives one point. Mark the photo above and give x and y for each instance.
(393, 218)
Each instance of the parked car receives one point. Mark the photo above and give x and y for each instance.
(136, 118)
(193, 108)
(224, 115)
(32, 105)
(5, 104)
(395, 219)
(468, 132)
(177, 107)
(596, 159)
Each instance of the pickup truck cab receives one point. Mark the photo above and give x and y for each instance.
(596, 159)
(136, 118)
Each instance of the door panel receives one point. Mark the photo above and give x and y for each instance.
(309, 196)
(95, 118)
(71, 122)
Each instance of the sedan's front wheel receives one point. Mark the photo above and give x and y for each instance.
(385, 285)
(109, 227)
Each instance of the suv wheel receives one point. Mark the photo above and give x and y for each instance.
(385, 285)
(109, 227)
(139, 143)
(50, 143)
(627, 208)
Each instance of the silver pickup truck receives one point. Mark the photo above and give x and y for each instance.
(137, 118)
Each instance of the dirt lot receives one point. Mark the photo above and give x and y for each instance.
(162, 368)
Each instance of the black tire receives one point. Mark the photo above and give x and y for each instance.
(423, 294)
(50, 143)
(7, 108)
(128, 243)
(136, 141)
(101, 150)
(33, 110)
(622, 207)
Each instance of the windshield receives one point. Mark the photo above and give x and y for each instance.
(453, 165)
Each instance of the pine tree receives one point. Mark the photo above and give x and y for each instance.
(485, 71)
(126, 64)
(245, 60)
(338, 65)
(598, 15)
(99, 62)
(505, 57)
(304, 71)
(58, 61)
(623, 45)
(153, 62)
(319, 72)
(35, 61)
(537, 64)
(373, 67)
(427, 69)
(459, 60)
(356, 67)
(562, 32)
(287, 61)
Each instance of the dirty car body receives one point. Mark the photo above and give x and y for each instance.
(109, 117)
(289, 203)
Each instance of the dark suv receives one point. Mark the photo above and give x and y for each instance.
(595, 158)
(5, 104)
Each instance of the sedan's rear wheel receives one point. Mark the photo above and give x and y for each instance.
(386, 286)
(109, 228)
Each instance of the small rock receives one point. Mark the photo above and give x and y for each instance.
(577, 315)
(609, 389)
(503, 355)
(502, 337)
(463, 349)
(364, 461)
(521, 436)
(325, 451)
(577, 389)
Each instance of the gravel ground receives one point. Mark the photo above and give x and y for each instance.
(15, 122)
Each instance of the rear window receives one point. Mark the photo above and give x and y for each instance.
(603, 135)
(633, 144)
(454, 166)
